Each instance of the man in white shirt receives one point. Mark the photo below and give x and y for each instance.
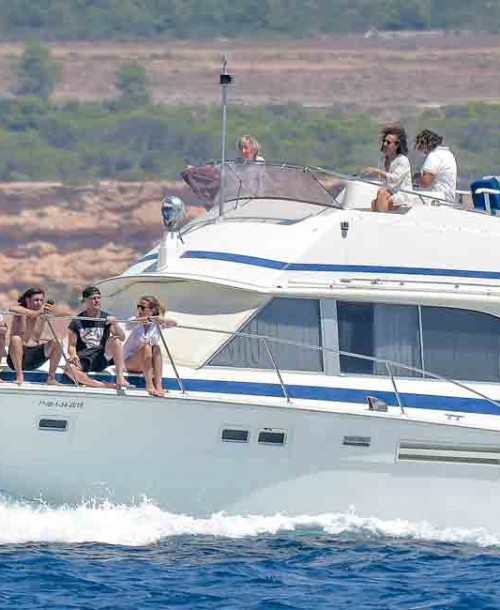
(439, 171)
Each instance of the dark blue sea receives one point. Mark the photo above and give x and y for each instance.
(117, 557)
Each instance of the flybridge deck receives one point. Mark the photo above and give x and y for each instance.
(285, 228)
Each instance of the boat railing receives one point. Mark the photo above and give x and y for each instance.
(268, 341)
(426, 198)
(313, 186)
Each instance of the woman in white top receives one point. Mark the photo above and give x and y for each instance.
(141, 351)
(396, 173)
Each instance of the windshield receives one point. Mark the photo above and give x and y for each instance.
(291, 193)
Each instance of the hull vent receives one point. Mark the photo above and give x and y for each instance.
(235, 435)
(272, 437)
(53, 424)
(448, 453)
(356, 441)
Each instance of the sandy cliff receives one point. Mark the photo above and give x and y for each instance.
(64, 237)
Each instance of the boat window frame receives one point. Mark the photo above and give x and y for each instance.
(421, 331)
(247, 321)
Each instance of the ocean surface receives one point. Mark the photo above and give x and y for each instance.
(142, 557)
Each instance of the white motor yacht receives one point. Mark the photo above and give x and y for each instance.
(327, 358)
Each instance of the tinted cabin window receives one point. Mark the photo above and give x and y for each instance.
(461, 344)
(456, 343)
(295, 320)
(389, 332)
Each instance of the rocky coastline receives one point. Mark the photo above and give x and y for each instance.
(63, 237)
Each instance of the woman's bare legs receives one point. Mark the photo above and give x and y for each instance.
(145, 361)
(383, 202)
(158, 371)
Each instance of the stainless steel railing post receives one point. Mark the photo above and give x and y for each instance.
(393, 381)
(61, 346)
(171, 358)
(282, 383)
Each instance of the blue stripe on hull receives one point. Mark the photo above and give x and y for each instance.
(417, 401)
(147, 257)
(249, 388)
(323, 267)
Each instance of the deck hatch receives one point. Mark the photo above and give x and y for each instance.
(270, 437)
(53, 424)
(235, 435)
(448, 453)
(356, 441)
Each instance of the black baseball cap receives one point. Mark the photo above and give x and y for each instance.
(90, 291)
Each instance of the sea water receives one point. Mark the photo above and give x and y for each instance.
(113, 557)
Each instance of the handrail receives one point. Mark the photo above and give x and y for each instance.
(278, 372)
(61, 347)
(381, 361)
(393, 381)
(423, 195)
(388, 364)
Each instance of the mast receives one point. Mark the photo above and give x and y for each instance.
(225, 80)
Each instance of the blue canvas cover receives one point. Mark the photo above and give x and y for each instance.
(480, 200)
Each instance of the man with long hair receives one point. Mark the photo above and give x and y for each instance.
(30, 345)
(396, 173)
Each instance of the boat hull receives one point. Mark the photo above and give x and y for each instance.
(170, 451)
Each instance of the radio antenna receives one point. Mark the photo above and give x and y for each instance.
(225, 80)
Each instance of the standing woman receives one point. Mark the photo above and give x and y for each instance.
(141, 350)
(396, 173)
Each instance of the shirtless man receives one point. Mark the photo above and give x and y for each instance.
(29, 347)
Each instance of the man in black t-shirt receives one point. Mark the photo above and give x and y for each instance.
(95, 344)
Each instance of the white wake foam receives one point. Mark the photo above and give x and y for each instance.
(144, 524)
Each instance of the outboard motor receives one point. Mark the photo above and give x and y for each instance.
(173, 212)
